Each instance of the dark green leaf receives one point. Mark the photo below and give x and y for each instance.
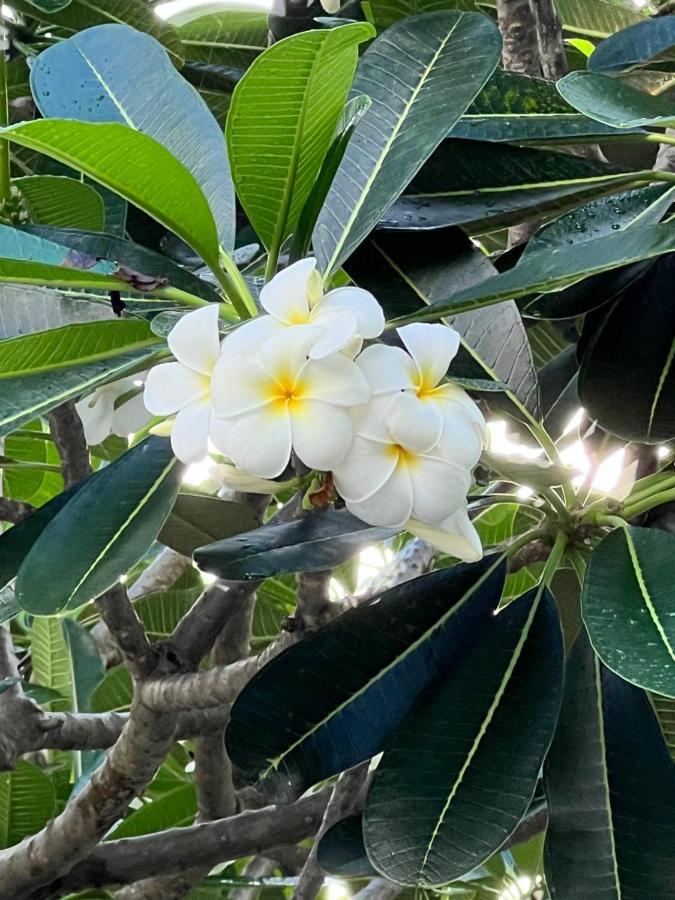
(615, 102)
(82, 78)
(633, 46)
(27, 802)
(227, 37)
(342, 851)
(197, 520)
(103, 531)
(442, 61)
(386, 12)
(61, 202)
(295, 723)
(460, 772)
(87, 669)
(627, 606)
(627, 377)
(316, 542)
(609, 783)
(294, 120)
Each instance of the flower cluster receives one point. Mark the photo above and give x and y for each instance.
(400, 441)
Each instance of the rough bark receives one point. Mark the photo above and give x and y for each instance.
(518, 25)
(68, 434)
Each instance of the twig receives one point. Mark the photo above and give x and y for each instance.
(549, 35)
(19, 716)
(14, 510)
(120, 617)
(66, 428)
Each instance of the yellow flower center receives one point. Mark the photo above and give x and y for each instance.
(286, 394)
(403, 456)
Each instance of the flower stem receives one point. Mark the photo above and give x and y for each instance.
(641, 506)
(554, 559)
(240, 288)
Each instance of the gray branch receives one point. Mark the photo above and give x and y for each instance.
(68, 434)
(14, 511)
(120, 617)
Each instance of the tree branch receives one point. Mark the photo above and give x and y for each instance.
(14, 510)
(66, 429)
(550, 39)
(120, 617)
(520, 50)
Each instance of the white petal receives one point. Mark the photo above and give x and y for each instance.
(219, 432)
(432, 347)
(353, 348)
(239, 385)
(387, 368)
(414, 423)
(370, 419)
(195, 341)
(366, 309)
(172, 386)
(260, 442)
(462, 440)
(322, 434)
(130, 417)
(286, 296)
(335, 379)
(231, 477)
(367, 466)
(455, 536)
(390, 506)
(190, 435)
(453, 395)
(96, 412)
(250, 334)
(336, 333)
(440, 488)
(284, 355)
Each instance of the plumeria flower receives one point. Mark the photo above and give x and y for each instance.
(183, 388)
(386, 479)
(455, 535)
(280, 400)
(101, 416)
(412, 382)
(341, 319)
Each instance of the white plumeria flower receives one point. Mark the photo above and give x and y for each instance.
(100, 417)
(455, 536)
(386, 479)
(341, 319)
(412, 382)
(280, 400)
(183, 388)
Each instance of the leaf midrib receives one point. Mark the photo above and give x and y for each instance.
(644, 592)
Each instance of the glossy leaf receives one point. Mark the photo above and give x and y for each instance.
(130, 164)
(627, 375)
(45, 351)
(615, 102)
(513, 107)
(226, 37)
(81, 78)
(386, 12)
(454, 54)
(295, 723)
(291, 121)
(104, 530)
(61, 202)
(460, 772)
(196, 520)
(342, 852)
(87, 669)
(627, 605)
(547, 271)
(609, 780)
(26, 397)
(27, 802)
(633, 46)
(309, 544)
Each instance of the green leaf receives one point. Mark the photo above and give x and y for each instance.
(129, 256)
(25, 309)
(81, 78)
(114, 693)
(442, 61)
(27, 802)
(45, 351)
(386, 12)
(79, 15)
(172, 810)
(133, 165)
(316, 542)
(50, 659)
(295, 723)
(546, 271)
(664, 707)
(615, 102)
(342, 852)
(35, 486)
(633, 46)
(485, 186)
(275, 600)
(627, 377)
(627, 606)
(62, 202)
(24, 398)
(102, 531)
(292, 121)
(196, 520)
(227, 37)
(86, 666)
(517, 108)
(432, 816)
(609, 782)
(599, 18)
(161, 612)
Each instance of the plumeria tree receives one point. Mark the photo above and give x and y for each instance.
(336, 393)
